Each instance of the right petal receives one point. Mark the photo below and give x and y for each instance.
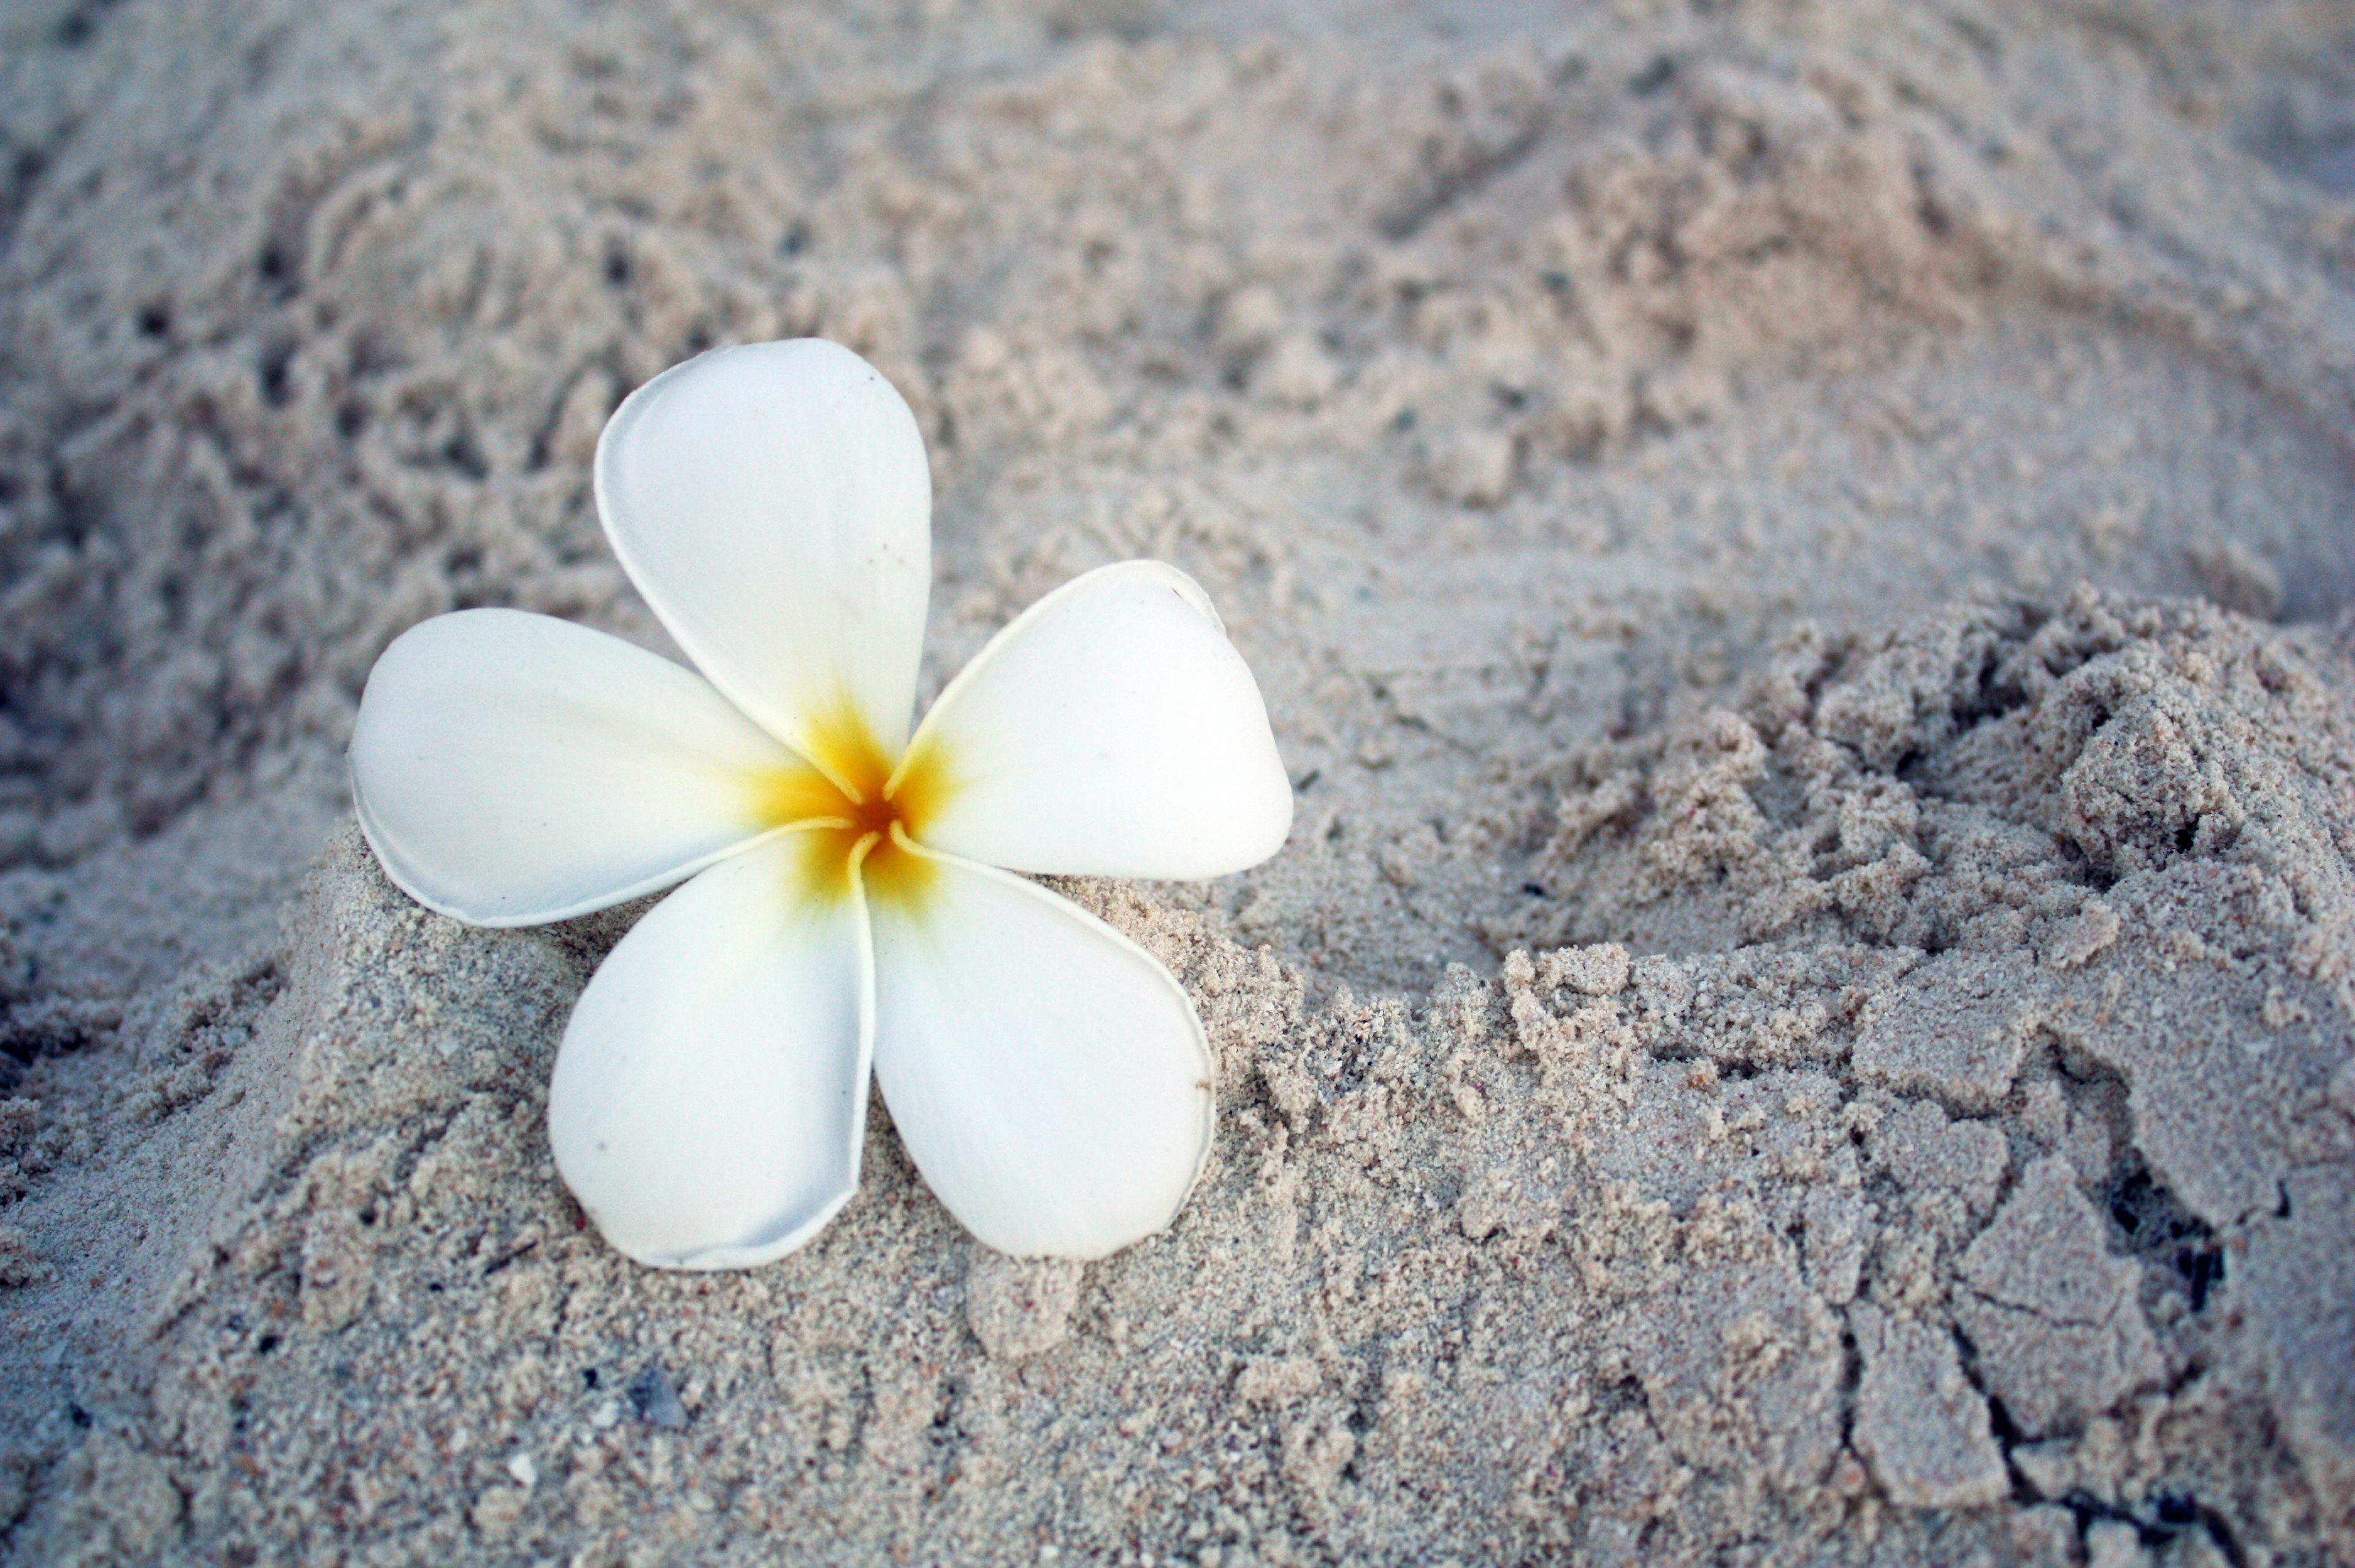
(773, 503)
(511, 769)
(1111, 730)
(710, 1099)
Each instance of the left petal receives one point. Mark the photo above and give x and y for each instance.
(773, 503)
(512, 769)
(1111, 730)
(1049, 1077)
(710, 1099)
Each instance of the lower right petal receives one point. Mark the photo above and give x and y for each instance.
(1049, 1076)
(710, 1099)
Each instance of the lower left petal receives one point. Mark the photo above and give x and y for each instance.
(710, 1099)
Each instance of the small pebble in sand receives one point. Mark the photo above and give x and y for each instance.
(655, 1402)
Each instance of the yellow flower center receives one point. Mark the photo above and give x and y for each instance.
(860, 817)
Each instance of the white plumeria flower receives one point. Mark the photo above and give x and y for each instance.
(844, 904)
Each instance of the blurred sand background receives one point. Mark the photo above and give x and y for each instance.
(1800, 556)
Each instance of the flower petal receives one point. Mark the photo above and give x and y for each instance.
(1111, 730)
(1049, 1077)
(774, 504)
(709, 1098)
(511, 769)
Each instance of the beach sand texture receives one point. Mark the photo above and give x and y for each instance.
(1800, 556)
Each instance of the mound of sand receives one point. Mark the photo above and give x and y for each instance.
(1788, 1031)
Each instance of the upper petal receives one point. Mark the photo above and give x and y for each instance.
(1049, 1078)
(772, 504)
(512, 768)
(710, 1099)
(1111, 730)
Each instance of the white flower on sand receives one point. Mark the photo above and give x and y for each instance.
(844, 906)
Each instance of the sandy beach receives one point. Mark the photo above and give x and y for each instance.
(1801, 558)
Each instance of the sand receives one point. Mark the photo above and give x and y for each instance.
(1801, 559)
